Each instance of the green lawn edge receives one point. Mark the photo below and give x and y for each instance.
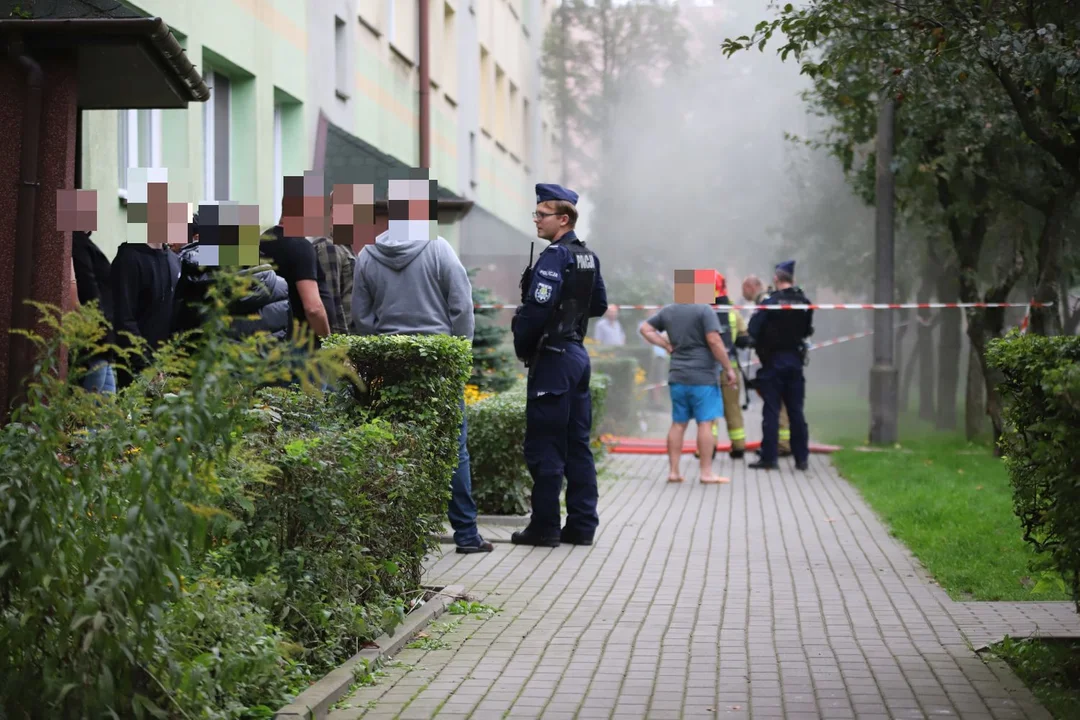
(949, 501)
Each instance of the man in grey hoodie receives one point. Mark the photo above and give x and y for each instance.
(410, 282)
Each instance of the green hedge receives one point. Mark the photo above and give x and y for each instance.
(500, 479)
(620, 406)
(1041, 442)
(196, 547)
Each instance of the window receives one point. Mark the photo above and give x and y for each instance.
(370, 13)
(501, 104)
(526, 133)
(391, 25)
(279, 166)
(341, 60)
(472, 159)
(449, 51)
(138, 143)
(513, 138)
(486, 114)
(216, 117)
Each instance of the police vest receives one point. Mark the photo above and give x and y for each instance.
(785, 330)
(570, 320)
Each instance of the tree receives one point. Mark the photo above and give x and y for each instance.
(1028, 48)
(593, 54)
(962, 162)
(493, 363)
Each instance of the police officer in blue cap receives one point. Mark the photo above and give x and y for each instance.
(779, 337)
(559, 295)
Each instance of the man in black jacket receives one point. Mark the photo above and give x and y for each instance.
(144, 277)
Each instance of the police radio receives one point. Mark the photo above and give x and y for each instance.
(526, 274)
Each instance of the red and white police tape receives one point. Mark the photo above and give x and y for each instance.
(811, 346)
(822, 306)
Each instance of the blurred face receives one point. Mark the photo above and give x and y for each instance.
(612, 312)
(750, 288)
(548, 224)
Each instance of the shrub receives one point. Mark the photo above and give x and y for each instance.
(500, 479)
(345, 518)
(620, 407)
(221, 657)
(417, 381)
(104, 502)
(1041, 392)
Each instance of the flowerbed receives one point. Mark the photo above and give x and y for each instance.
(202, 546)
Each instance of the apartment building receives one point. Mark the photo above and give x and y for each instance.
(490, 133)
(276, 68)
(252, 54)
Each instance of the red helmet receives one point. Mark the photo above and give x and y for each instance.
(721, 285)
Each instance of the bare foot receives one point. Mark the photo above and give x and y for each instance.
(714, 479)
(673, 478)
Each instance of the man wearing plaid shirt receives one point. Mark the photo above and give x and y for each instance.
(337, 262)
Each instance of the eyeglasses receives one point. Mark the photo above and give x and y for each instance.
(542, 215)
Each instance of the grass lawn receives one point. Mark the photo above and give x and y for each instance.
(949, 501)
(1050, 667)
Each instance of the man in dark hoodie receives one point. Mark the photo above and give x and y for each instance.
(410, 282)
(144, 276)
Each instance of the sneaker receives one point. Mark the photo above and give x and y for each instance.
(575, 537)
(528, 536)
(481, 546)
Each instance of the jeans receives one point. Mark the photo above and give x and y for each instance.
(100, 378)
(462, 509)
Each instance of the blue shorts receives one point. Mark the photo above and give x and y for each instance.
(702, 403)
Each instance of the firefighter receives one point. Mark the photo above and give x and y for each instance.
(732, 326)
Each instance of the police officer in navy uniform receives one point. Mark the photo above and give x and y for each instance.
(780, 339)
(559, 295)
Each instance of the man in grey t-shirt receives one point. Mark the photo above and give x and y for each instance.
(694, 343)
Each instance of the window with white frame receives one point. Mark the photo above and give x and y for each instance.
(138, 143)
(341, 59)
(279, 167)
(216, 138)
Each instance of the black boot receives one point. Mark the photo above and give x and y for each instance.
(762, 465)
(736, 454)
(575, 537)
(529, 536)
(804, 466)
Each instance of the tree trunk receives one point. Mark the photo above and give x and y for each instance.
(910, 369)
(925, 346)
(975, 397)
(902, 368)
(949, 346)
(1047, 321)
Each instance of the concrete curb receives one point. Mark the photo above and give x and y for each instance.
(315, 702)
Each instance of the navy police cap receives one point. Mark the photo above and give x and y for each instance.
(788, 266)
(549, 191)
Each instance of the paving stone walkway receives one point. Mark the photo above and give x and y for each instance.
(780, 595)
